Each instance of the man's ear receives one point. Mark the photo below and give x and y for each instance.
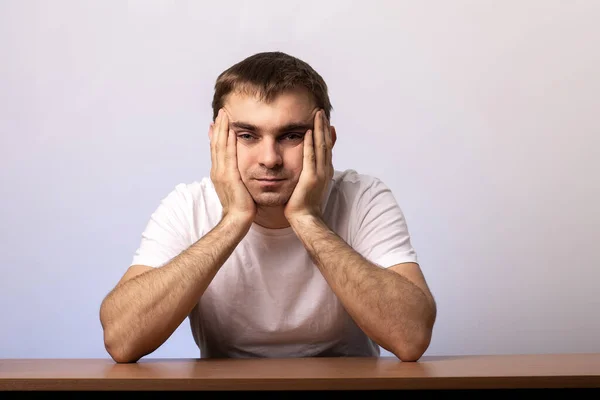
(210, 131)
(333, 135)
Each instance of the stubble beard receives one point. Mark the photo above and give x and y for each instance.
(266, 198)
(271, 199)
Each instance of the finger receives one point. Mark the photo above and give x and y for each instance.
(214, 140)
(231, 155)
(328, 142)
(319, 142)
(308, 163)
(222, 139)
(213, 159)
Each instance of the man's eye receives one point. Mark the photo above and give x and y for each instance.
(293, 136)
(245, 136)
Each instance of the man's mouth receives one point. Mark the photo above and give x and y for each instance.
(269, 182)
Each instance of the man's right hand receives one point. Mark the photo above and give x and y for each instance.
(225, 175)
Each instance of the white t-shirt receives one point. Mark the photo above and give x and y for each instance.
(269, 299)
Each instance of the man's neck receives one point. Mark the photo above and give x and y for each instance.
(271, 218)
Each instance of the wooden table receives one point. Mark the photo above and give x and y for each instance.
(556, 371)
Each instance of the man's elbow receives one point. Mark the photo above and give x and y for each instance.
(412, 349)
(121, 357)
(117, 350)
(412, 354)
(413, 345)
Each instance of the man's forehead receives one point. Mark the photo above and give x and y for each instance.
(293, 103)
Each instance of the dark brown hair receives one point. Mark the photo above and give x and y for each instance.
(267, 75)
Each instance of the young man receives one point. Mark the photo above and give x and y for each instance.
(276, 254)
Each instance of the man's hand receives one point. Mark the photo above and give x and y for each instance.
(224, 173)
(317, 172)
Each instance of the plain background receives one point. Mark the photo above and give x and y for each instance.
(482, 116)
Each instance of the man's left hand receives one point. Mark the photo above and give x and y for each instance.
(317, 171)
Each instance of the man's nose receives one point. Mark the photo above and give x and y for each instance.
(270, 154)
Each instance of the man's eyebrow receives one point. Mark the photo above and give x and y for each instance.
(243, 125)
(296, 126)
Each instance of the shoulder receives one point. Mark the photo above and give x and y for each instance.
(358, 192)
(352, 176)
(351, 183)
(190, 195)
(189, 191)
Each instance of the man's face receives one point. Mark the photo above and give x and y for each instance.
(270, 140)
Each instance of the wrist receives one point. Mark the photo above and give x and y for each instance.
(238, 222)
(303, 220)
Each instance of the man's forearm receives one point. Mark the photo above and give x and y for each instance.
(142, 312)
(389, 308)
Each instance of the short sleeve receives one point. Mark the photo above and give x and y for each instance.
(167, 233)
(381, 234)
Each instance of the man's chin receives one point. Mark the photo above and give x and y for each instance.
(270, 199)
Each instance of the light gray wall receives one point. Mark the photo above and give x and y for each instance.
(482, 116)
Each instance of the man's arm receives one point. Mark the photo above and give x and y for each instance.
(148, 304)
(393, 307)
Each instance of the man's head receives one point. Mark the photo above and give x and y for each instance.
(271, 100)
(267, 75)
